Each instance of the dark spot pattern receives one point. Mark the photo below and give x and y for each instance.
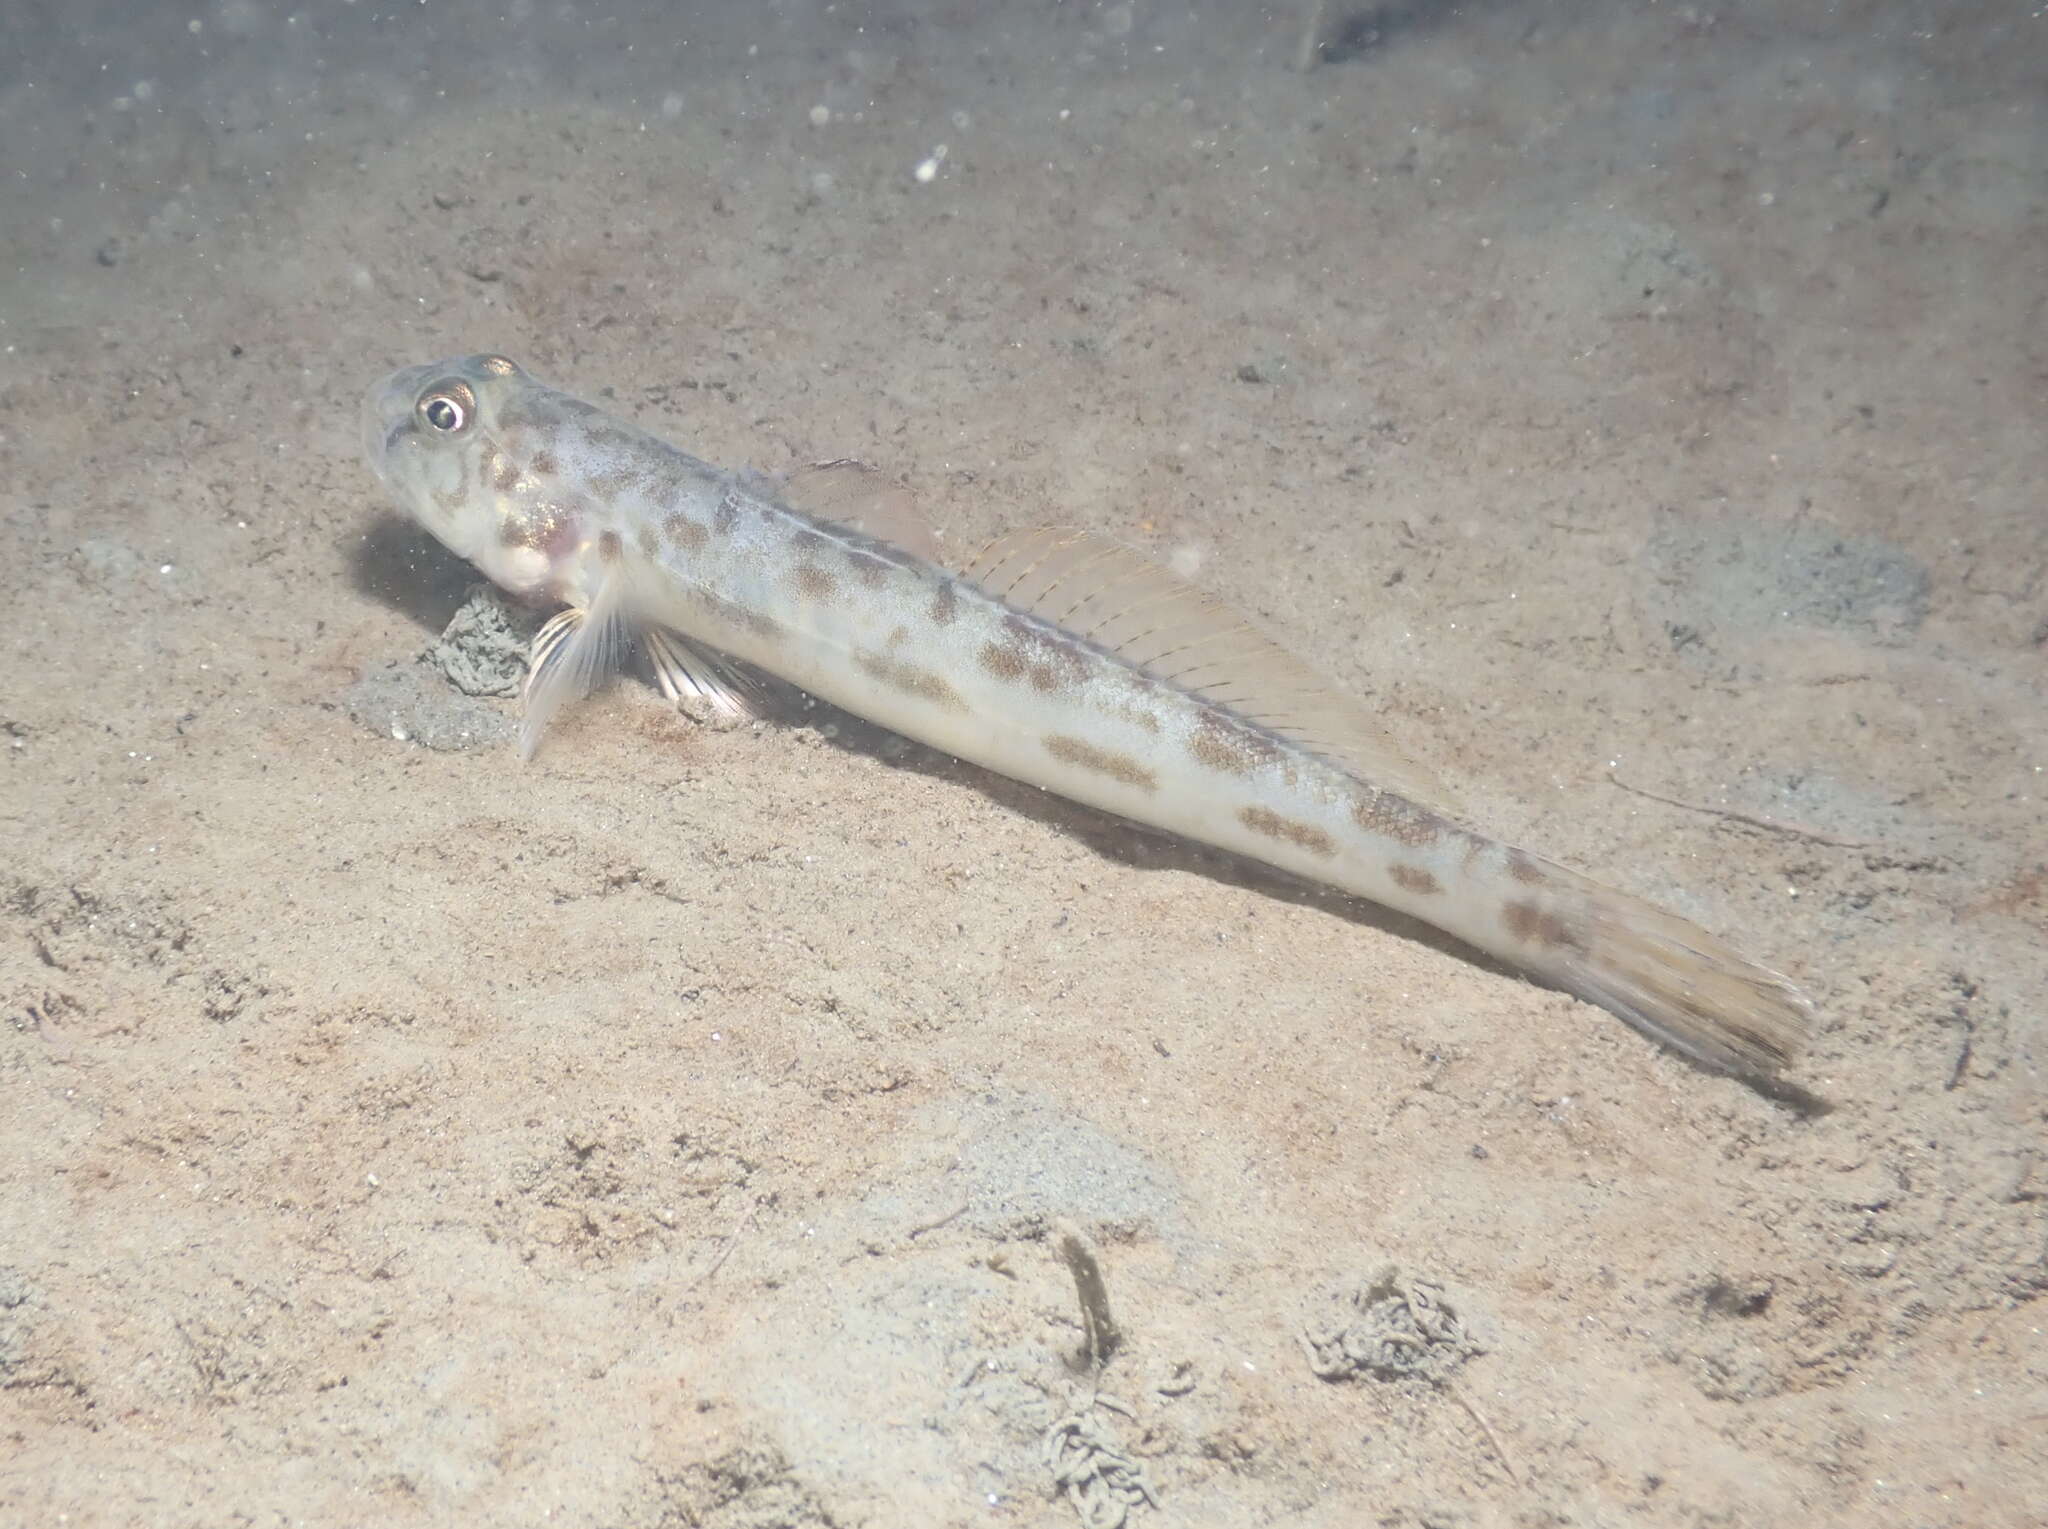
(1536, 925)
(911, 679)
(546, 529)
(608, 546)
(1413, 878)
(542, 464)
(649, 539)
(1395, 817)
(1085, 755)
(945, 604)
(610, 482)
(1263, 820)
(1225, 744)
(685, 533)
(1525, 869)
(1034, 655)
(727, 516)
(1004, 663)
(814, 583)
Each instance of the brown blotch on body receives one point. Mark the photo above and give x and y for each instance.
(945, 604)
(1137, 716)
(1524, 869)
(1004, 663)
(685, 532)
(910, 679)
(1032, 654)
(1230, 746)
(814, 583)
(611, 482)
(650, 540)
(608, 546)
(1080, 752)
(1536, 925)
(1413, 878)
(1263, 820)
(504, 473)
(726, 516)
(1383, 812)
(543, 464)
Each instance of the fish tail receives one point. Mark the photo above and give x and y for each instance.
(1663, 974)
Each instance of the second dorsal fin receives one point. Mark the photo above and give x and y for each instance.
(1121, 600)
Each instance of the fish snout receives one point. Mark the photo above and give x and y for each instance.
(387, 415)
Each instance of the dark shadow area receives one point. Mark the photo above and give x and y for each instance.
(1150, 849)
(1353, 34)
(401, 567)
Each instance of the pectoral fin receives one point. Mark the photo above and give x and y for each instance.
(575, 652)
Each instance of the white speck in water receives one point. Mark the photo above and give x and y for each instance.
(821, 182)
(672, 105)
(820, 115)
(927, 169)
(962, 121)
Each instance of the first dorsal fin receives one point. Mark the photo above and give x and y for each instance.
(850, 493)
(1121, 600)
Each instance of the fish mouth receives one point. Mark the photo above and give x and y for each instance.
(387, 412)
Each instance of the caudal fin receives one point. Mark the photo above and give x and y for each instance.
(1680, 984)
(1663, 974)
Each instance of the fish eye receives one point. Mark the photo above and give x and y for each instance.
(446, 410)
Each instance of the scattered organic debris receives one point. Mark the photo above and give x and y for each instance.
(1395, 1327)
(1391, 1327)
(483, 650)
(1089, 1464)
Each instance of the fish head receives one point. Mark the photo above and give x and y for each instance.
(462, 446)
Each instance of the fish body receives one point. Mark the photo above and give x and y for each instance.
(1053, 657)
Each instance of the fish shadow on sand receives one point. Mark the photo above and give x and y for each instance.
(1148, 849)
